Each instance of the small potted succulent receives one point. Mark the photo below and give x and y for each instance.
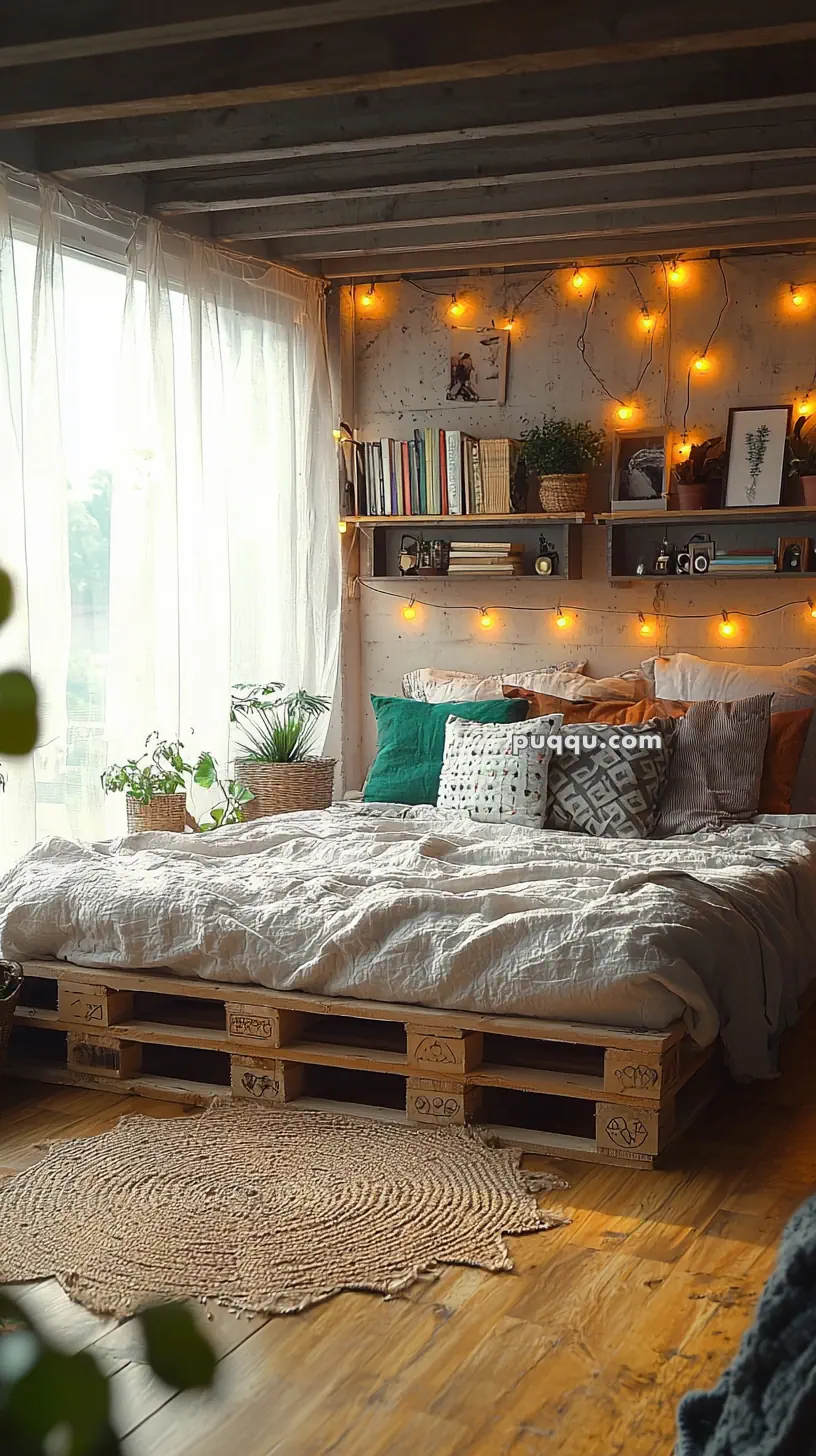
(274, 758)
(560, 452)
(11, 985)
(155, 786)
(802, 460)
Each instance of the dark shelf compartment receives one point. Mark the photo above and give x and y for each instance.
(380, 538)
(633, 536)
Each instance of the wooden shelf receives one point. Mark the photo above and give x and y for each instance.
(576, 518)
(735, 516)
(422, 581)
(791, 576)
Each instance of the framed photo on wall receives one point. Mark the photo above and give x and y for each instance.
(478, 366)
(640, 470)
(756, 454)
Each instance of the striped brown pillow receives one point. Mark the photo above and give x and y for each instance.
(716, 769)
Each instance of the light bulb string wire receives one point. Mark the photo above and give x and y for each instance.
(587, 611)
(703, 352)
(581, 345)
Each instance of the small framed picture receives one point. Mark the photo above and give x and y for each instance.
(756, 455)
(793, 553)
(478, 366)
(640, 470)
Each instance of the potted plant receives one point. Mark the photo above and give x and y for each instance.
(699, 479)
(275, 761)
(560, 452)
(11, 984)
(802, 460)
(154, 784)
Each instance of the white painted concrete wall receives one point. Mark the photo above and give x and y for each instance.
(396, 356)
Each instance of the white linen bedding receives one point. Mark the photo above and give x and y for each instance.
(420, 906)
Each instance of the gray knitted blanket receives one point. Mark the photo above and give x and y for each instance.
(765, 1403)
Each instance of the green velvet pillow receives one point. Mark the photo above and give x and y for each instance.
(411, 744)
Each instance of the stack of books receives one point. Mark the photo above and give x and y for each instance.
(437, 473)
(743, 563)
(486, 558)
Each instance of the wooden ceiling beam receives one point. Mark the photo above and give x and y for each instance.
(509, 38)
(401, 182)
(579, 226)
(788, 235)
(717, 88)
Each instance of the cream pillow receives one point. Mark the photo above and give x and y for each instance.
(497, 772)
(793, 685)
(443, 685)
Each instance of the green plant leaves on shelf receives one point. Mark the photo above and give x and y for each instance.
(18, 713)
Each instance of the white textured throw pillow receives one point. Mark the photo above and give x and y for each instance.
(488, 775)
(694, 679)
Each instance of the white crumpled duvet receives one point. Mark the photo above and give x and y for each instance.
(429, 908)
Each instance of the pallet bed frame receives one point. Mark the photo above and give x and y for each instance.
(597, 1093)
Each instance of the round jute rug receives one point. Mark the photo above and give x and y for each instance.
(261, 1210)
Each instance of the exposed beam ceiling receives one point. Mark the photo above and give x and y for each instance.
(372, 137)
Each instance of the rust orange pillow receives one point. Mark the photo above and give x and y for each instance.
(783, 751)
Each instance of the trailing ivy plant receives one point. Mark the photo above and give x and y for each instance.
(18, 697)
(161, 769)
(233, 795)
(54, 1401)
(275, 728)
(562, 447)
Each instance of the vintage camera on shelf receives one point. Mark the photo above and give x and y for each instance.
(696, 558)
(419, 557)
(546, 563)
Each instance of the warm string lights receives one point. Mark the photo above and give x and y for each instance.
(565, 617)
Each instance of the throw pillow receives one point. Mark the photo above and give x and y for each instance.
(611, 784)
(783, 751)
(411, 743)
(717, 769)
(497, 772)
(793, 685)
(444, 685)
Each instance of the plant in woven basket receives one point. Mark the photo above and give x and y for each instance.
(562, 447)
(52, 1400)
(161, 769)
(234, 795)
(275, 728)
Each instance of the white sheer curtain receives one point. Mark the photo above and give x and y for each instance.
(168, 495)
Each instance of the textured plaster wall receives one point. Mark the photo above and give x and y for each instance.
(395, 373)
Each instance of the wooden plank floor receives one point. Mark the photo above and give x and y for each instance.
(584, 1350)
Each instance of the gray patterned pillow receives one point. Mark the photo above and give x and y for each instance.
(612, 784)
(497, 772)
(717, 766)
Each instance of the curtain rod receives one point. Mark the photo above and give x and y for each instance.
(112, 212)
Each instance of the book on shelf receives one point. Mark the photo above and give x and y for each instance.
(436, 473)
(486, 568)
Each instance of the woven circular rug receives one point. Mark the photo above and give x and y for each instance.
(264, 1211)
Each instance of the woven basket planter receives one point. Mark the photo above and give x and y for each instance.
(165, 811)
(8, 1003)
(284, 788)
(563, 492)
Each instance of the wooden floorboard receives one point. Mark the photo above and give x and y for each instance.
(584, 1349)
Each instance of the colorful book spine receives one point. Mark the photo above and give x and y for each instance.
(453, 455)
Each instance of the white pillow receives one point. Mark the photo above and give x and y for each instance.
(556, 683)
(488, 775)
(444, 685)
(793, 685)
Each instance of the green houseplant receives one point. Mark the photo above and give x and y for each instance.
(560, 452)
(802, 459)
(274, 758)
(155, 785)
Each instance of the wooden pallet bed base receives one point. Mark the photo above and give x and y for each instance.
(604, 1094)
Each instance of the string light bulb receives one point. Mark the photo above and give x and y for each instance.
(677, 274)
(342, 527)
(811, 607)
(368, 299)
(646, 629)
(702, 364)
(409, 611)
(803, 409)
(578, 279)
(647, 320)
(727, 628)
(797, 297)
(457, 307)
(485, 618)
(684, 448)
(510, 324)
(624, 412)
(561, 620)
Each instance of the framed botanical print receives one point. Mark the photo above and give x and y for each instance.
(756, 454)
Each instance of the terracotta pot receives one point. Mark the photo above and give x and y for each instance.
(809, 489)
(698, 496)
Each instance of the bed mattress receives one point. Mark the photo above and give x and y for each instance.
(419, 906)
